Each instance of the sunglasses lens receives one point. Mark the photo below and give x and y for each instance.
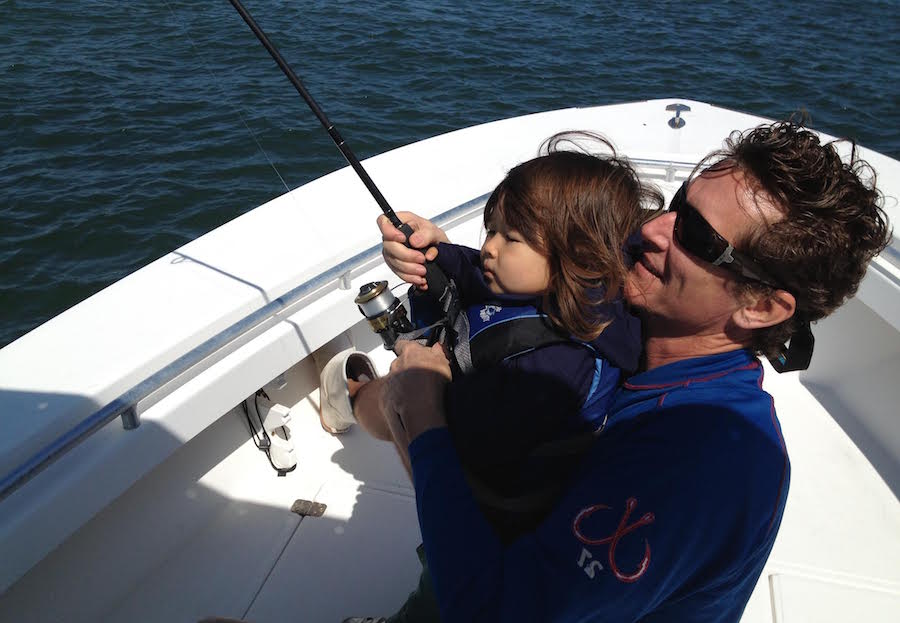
(698, 238)
(694, 234)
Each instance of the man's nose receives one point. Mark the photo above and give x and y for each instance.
(659, 230)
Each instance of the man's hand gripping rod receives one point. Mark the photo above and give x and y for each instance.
(438, 285)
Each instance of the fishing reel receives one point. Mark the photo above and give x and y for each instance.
(384, 311)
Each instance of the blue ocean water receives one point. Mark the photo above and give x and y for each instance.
(128, 129)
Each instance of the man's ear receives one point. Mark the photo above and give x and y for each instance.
(765, 311)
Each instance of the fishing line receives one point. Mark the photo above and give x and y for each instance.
(439, 286)
(215, 80)
(336, 137)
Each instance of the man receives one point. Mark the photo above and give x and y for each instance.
(678, 502)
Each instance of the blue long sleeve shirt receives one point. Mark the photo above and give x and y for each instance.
(672, 518)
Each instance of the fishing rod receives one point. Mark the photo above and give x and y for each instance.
(438, 284)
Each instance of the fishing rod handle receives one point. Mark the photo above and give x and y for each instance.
(438, 284)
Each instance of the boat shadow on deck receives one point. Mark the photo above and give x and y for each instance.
(210, 532)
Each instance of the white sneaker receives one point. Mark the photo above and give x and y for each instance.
(335, 411)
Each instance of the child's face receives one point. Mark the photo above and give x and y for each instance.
(511, 265)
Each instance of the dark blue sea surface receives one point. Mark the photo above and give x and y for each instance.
(130, 128)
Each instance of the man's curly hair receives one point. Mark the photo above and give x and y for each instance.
(833, 221)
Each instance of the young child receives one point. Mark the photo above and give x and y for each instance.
(548, 330)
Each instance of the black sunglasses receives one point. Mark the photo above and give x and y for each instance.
(698, 238)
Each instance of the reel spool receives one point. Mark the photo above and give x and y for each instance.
(384, 311)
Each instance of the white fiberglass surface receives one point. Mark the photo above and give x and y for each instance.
(210, 531)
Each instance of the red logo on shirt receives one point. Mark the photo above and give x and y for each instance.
(623, 529)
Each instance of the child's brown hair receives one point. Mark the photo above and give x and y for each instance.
(576, 209)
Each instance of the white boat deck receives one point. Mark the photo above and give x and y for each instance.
(211, 532)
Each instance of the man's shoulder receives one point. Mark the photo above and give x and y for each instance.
(723, 427)
(737, 420)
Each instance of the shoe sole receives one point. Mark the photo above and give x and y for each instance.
(329, 429)
(323, 405)
(369, 372)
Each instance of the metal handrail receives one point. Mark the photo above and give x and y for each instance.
(892, 255)
(670, 166)
(150, 391)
